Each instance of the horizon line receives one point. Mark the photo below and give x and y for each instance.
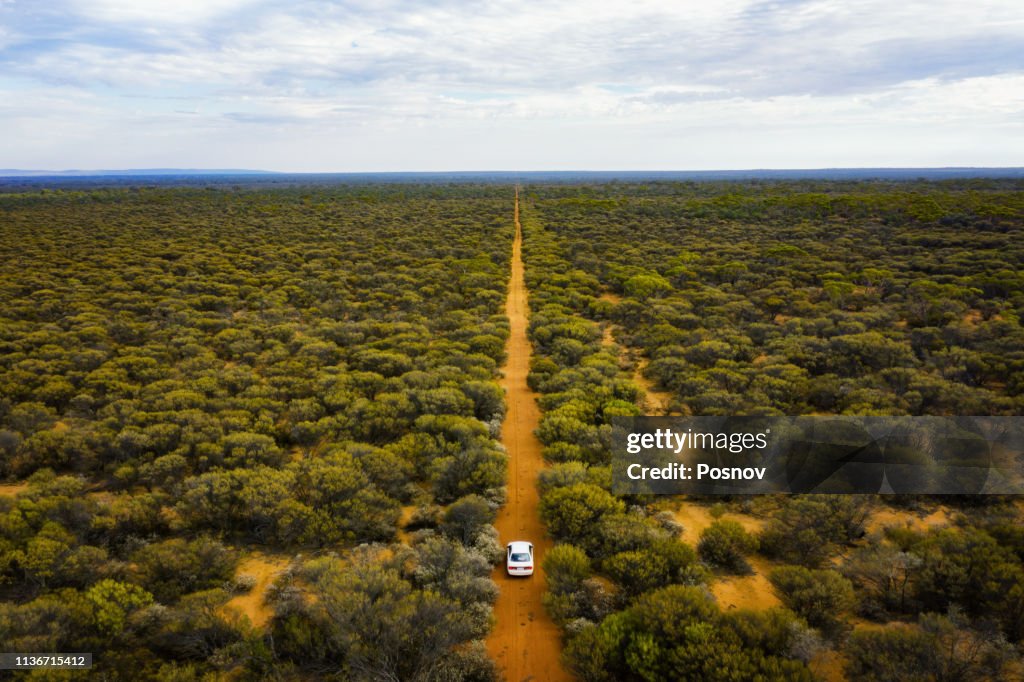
(86, 172)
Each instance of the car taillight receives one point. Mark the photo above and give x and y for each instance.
(528, 568)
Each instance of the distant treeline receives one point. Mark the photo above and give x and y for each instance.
(13, 180)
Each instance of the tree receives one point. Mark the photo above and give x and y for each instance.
(565, 568)
(466, 517)
(884, 575)
(572, 512)
(114, 601)
(646, 286)
(373, 623)
(725, 543)
(809, 527)
(456, 572)
(175, 567)
(673, 633)
(475, 470)
(934, 649)
(638, 571)
(820, 596)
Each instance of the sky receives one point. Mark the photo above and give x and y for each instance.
(441, 85)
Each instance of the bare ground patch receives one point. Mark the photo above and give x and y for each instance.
(264, 568)
(12, 489)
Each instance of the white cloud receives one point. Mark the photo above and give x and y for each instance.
(157, 12)
(290, 83)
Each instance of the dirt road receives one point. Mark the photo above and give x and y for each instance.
(525, 642)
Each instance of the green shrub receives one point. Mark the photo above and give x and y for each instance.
(725, 544)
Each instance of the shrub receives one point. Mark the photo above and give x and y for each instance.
(565, 568)
(724, 544)
(817, 595)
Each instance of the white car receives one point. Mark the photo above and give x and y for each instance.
(519, 558)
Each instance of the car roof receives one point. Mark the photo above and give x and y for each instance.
(519, 545)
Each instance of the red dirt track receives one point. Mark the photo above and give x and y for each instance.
(525, 642)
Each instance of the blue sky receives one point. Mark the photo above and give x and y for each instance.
(451, 85)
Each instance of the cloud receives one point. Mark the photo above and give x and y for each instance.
(158, 13)
(317, 70)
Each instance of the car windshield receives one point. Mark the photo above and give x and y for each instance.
(519, 556)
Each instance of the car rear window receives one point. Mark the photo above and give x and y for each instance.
(520, 557)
